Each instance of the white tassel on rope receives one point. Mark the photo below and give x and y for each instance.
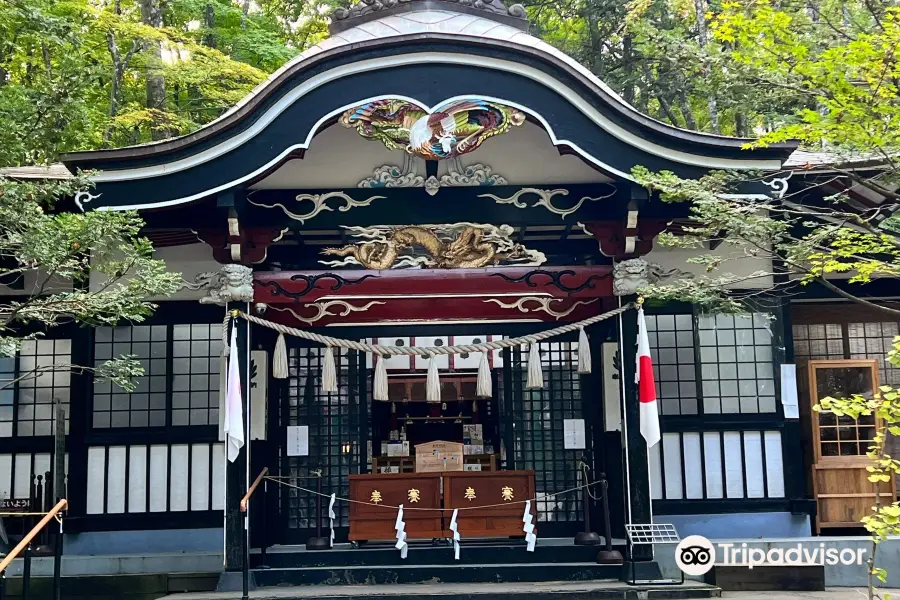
(380, 391)
(279, 359)
(332, 516)
(455, 529)
(535, 371)
(483, 384)
(433, 381)
(530, 535)
(584, 353)
(329, 372)
(400, 526)
(226, 348)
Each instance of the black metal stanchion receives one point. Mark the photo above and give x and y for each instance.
(264, 534)
(607, 556)
(3, 585)
(57, 560)
(318, 542)
(586, 537)
(26, 573)
(245, 560)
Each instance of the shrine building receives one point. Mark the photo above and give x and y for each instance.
(431, 176)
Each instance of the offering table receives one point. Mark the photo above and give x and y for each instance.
(413, 490)
(494, 503)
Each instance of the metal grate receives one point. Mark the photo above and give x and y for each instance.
(652, 533)
(196, 368)
(537, 426)
(146, 406)
(39, 385)
(671, 339)
(736, 363)
(334, 422)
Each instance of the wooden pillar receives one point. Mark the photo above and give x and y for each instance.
(81, 403)
(236, 473)
(637, 472)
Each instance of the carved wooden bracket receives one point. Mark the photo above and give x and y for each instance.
(621, 239)
(248, 247)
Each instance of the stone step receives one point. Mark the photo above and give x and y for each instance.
(548, 590)
(427, 554)
(437, 573)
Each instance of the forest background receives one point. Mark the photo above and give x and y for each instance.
(86, 74)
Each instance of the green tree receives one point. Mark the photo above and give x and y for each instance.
(78, 74)
(840, 59)
(79, 268)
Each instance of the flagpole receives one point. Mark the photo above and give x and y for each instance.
(624, 409)
(247, 436)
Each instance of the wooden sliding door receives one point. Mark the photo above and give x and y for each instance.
(843, 491)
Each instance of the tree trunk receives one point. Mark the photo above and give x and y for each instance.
(740, 124)
(245, 10)
(667, 109)
(686, 111)
(700, 8)
(120, 63)
(628, 64)
(151, 14)
(209, 16)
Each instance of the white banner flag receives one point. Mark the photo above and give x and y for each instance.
(233, 425)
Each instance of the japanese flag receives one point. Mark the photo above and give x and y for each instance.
(233, 425)
(646, 385)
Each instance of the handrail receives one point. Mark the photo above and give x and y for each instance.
(61, 505)
(252, 489)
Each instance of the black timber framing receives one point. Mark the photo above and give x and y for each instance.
(796, 498)
(83, 436)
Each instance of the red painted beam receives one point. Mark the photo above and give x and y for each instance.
(290, 287)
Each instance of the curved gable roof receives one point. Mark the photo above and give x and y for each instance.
(425, 56)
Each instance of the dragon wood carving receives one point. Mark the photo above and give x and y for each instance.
(454, 246)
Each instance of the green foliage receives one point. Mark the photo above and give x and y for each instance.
(73, 73)
(84, 268)
(884, 407)
(839, 58)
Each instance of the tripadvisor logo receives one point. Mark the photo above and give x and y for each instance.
(696, 555)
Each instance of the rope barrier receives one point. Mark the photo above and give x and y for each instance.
(425, 350)
(408, 508)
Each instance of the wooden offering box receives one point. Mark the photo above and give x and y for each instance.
(500, 493)
(412, 490)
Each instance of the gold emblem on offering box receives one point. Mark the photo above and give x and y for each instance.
(414, 495)
(470, 494)
(376, 497)
(507, 493)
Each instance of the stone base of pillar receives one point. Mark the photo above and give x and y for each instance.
(641, 571)
(233, 581)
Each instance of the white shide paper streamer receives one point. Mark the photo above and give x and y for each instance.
(400, 526)
(332, 516)
(530, 535)
(455, 529)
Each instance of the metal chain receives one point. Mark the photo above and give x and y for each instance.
(429, 350)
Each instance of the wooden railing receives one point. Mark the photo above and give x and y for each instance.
(246, 499)
(25, 545)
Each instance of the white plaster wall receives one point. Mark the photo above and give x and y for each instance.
(190, 261)
(737, 265)
(525, 155)
(34, 280)
(339, 158)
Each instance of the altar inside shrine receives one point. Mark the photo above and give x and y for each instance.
(491, 504)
